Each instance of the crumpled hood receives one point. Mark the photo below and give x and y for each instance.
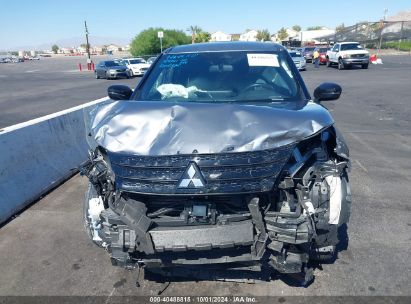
(168, 128)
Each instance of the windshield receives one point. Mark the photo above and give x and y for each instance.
(237, 76)
(136, 61)
(351, 46)
(114, 63)
(295, 54)
(309, 49)
(323, 50)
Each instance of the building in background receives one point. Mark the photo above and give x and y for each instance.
(97, 49)
(291, 35)
(235, 37)
(81, 50)
(114, 48)
(315, 35)
(305, 37)
(250, 35)
(220, 36)
(65, 50)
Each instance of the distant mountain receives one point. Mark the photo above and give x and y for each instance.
(70, 42)
(401, 16)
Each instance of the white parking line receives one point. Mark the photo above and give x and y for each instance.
(31, 71)
(361, 166)
(49, 116)
(401, 139)
(110, 295)
(71, 71)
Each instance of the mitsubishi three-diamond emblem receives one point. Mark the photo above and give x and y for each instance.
(191, 178)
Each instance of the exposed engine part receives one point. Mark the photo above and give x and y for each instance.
(258, 221)
(286, 227)
(133, 214)
(196, 213)
(97, 169)
(95, 207)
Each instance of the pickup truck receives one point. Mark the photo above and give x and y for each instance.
(346, 54)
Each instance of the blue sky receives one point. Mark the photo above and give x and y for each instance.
(28, 22)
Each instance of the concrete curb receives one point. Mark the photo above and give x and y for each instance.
(37, 155)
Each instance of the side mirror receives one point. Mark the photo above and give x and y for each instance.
(327, 91)
(119, 92)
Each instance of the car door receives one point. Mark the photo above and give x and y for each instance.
(334, 51)
(101, 70)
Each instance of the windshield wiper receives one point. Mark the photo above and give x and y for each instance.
(205, 92)
(268, 100)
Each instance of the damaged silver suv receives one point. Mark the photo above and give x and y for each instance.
(219, 158)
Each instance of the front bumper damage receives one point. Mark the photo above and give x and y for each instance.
(282, 226)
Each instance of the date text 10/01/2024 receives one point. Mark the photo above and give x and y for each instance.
(203, 299)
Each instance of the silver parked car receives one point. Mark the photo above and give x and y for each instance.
(299, 60)
(112, 69)
(151, 60)
(268, 192)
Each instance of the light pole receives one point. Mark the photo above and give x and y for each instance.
(87, 48)
(88, 45)
(382, 28)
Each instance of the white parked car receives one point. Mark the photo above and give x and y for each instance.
(346, 54)
(137, 66)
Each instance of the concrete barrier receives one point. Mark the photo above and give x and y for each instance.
(38, 155)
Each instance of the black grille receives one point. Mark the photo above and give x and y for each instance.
(357, 55)
(225, 173)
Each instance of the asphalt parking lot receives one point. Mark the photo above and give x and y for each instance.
(45, 251)
(36, 88)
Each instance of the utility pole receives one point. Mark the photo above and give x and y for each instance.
(401, 33)
(382, 28)
(87, 45)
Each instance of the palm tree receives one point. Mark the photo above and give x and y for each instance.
(194, 30)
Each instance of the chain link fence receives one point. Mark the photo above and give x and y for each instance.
(382, 34)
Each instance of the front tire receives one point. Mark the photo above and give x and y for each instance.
(96, 75)
(328, 63)
(341, 65)
(364, 66)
